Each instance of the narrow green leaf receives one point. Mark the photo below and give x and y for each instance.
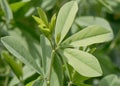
(16, 67)
(52, 23)
(57, 73)
(84, 63)
(110, 80)
(39, 20)
(65, 19)
(42, 15)
(105, 5)
(90, 35)
(5, 7)
(38, 82)
(18, 50)
(46, 52)
(17, 5)
(42, 26)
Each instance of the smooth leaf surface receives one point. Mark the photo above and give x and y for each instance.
(90, 20)
(110, 80)
(52, 23)
(18, 50)
(84, 63)
(5, 7)
(46, 52)
(90, 35)
(64, 20)
(57, 73)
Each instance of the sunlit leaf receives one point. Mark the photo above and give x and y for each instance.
(18, 50)
(52, 23)
(84, 63)
(64, 20)
(42, 15)
(90, 35)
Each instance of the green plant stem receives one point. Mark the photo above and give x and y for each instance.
(70, 83)
(52, 45)
(6, 81)
(50, 69)
(21, 82)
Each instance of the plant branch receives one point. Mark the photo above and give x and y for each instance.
(50, 69)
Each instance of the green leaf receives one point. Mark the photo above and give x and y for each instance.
(65, 19)
(90, 35)
(105, 5)
(57, 73)
(5, 7)
(16, 67)
(52, 23)
(37, 82)
(46, 52)
(84, 63)
(30, 83)
(90, 20)
(18, 50)
(39, 21)
(110, 80)
(27, 73)
(78, 79)
(17, 5)
(42, 26)
(42, 15)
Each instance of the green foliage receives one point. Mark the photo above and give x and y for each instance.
(5, 7)
(11, 43)
(45, 27)
(64, 20)
(67, 49)
(16, 67)
(86, 36)
(110, 80)
(83, 62)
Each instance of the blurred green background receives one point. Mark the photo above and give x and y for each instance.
(16, 20)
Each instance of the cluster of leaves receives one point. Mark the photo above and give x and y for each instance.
(66, 43)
